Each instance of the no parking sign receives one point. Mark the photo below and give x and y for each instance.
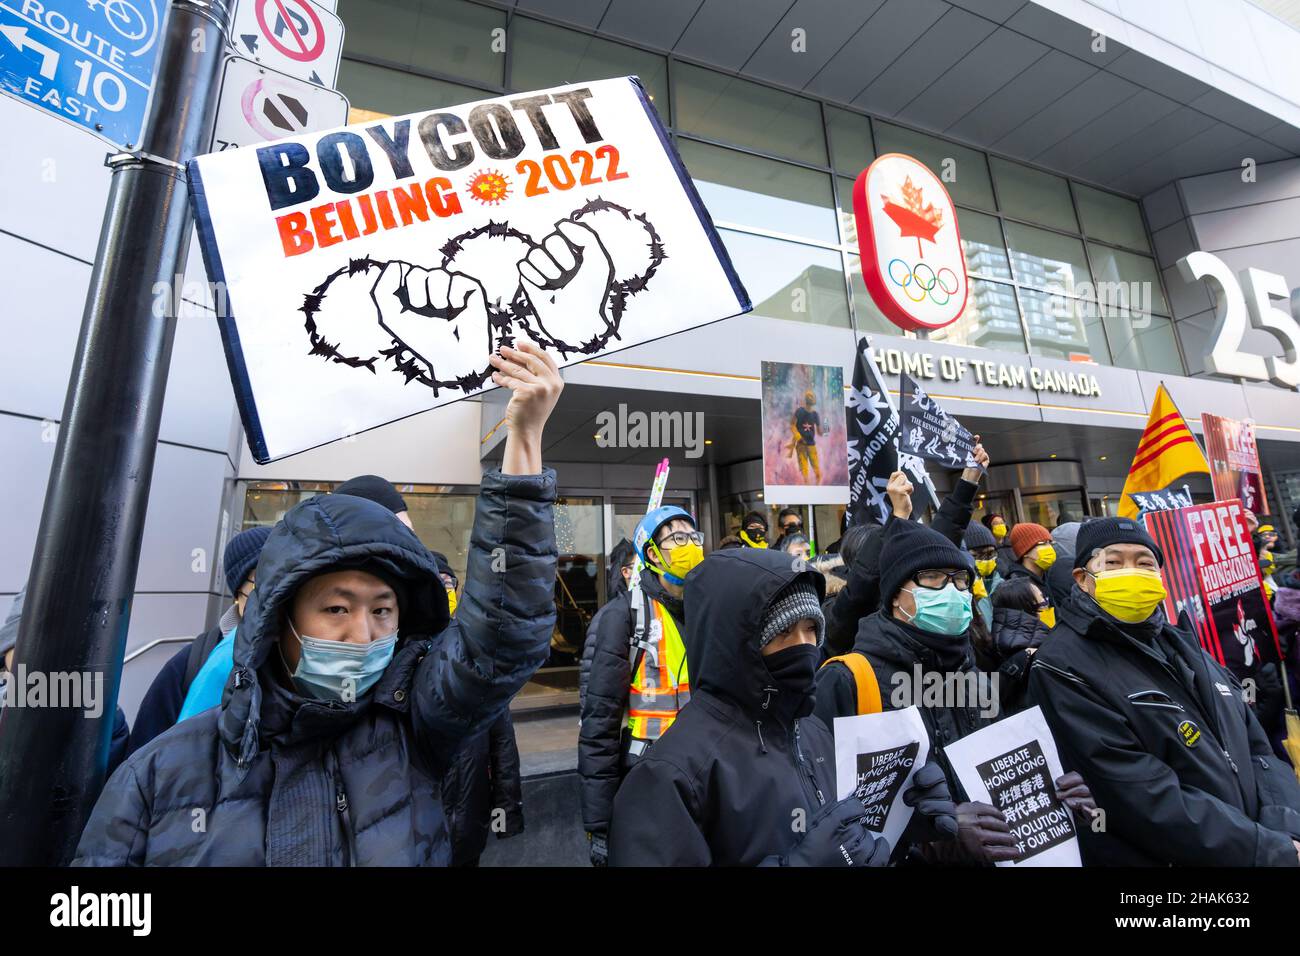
(297, 37)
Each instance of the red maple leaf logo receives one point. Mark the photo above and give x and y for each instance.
(914, 217)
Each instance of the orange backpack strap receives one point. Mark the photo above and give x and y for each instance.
(864, 677)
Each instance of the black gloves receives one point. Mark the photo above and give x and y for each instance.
(837, 837)
(1074, 793)
(936, 815)
(983, 833)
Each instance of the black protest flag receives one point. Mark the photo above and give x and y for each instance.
(873, 444)
(928, 431)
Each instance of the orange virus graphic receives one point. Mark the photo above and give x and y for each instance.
(489, 187)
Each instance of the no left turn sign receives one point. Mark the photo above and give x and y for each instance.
(298, 37)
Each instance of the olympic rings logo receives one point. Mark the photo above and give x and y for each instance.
(926, 285)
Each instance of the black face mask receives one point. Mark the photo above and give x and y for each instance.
(756, 534)
(792, 528)
(794, 669)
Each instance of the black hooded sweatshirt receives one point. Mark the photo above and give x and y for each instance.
(724, 783)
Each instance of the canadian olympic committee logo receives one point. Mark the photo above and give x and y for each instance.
(912, 261)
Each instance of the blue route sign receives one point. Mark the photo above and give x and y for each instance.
(89, 62)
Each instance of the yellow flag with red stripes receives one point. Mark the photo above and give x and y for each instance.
(1168, 450)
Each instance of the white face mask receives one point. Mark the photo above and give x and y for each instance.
(335, 670)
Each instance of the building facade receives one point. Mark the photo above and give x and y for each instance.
(1088, 146)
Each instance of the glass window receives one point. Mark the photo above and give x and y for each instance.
(543, 55)
(763, 193)
(1047, 260)
(788, 280)
(990, 320)
(1110, 218)
(1126, 280)
(871, 321)
(446, 36)
(850, 133)
(966, 176)
(848, 225)
(375, 91)
(981, 241)
(1031, 194)
(720, 107)
(1142, 341)
(579, 538)
(1064, 328)
(442, 523)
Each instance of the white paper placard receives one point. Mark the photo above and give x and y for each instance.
(876, 756)
(368, 272)
(1012, 765)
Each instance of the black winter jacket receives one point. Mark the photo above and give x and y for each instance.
(1163, 739)
(860, 595)
(724, 783)
(601, 735)
(895, 650)
(163, 701)
(589, 642)
(1015, 632)
(273, 778)
(483, 778)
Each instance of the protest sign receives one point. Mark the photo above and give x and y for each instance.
(1166, 499)
(873, 453)
(929, 432)
(876, 756)
(1211, 572)
(370, 271)
(1234, 461)
(1013, 765)
(804, 458)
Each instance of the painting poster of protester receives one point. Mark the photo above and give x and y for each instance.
(805, 460)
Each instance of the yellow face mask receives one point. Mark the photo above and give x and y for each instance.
(683, 559)
(1046, 556)
(1129, 594)
(999, 531)
(1266, 563)
(986, 568)
(978, 589)
(451, 600)
(1048, 617)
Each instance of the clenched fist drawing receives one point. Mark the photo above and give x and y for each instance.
(568, 279)
(439, 317)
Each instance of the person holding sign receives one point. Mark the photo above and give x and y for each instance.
(918, 649)
(746, 776)
(1156, 726)
(353, 687)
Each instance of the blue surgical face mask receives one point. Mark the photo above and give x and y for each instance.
(334, 670)
(945, 611)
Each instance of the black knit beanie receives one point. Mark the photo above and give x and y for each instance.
(911, 547)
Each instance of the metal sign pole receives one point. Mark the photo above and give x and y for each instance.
(78, 604)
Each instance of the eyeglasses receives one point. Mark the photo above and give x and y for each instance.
(678, 538)
(936, 579)
(791, 526)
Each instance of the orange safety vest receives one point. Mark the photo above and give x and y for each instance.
(660, 685)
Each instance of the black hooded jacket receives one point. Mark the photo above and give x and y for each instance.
(723, 784)
(1165, 742)
(604, 705)
(274, 778)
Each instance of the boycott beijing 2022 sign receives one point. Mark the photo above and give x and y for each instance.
(369, 271)
(912, 261)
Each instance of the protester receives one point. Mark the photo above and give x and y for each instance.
(789, 521)
(1058, 578)
(1034, 552)
(982, 546)
(637, 685)
(753, 530)
(923, 628)
(482, 791)
(1022, 618)
(353, 688)
(164, 701)
(622, 561)
(998, 527)
(745, 760)
(118, 745)
(1159, 730)
(796, 545)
